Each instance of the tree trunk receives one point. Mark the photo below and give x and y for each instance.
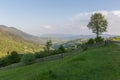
(97, 34)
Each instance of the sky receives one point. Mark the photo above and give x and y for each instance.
(38, 17)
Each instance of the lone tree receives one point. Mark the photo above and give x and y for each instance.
(98, 24)
(48, 45)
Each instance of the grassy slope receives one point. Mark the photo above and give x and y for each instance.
(95, 64)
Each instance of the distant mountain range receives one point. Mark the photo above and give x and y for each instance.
(22, 42)
(13, 39)
(26, 36)
(73, 37)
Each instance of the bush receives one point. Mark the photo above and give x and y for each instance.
(55, 52)
(14, 57)
(1, 62)
(61, 49)
(91, 41)
(10, 59)
(99, 39)
(28, 58)
(40, 54)
(6, 61)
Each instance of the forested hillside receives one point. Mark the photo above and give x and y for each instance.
(14, 42)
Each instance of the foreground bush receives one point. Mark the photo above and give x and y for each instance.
(28, 58)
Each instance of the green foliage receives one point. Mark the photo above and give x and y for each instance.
(56, 51)
(28, 58)
(48, 45)
(116, 38)
(91, 41)
(99, 39)
(1, 62)
(10, 42)
(98, 24)
(61, 49)
(96, 40)
(14, 57)
(40, 54)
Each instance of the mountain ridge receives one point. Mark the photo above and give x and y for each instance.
(73, 37)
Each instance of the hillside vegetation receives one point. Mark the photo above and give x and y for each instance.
(13, 42)
(116, 38)
(94, 64)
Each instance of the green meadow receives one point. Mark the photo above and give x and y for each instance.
(101, 63)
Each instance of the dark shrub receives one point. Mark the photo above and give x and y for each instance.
(99, 39)
(1, 62)
(61, 49)
(7, 60)
(55, 52)
(14, 57)
(10, 59)
(40, 54)
(78, 45)
(91, 41)
(28, 58)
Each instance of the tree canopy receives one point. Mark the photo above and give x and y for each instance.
(48, 45)
(98, 24)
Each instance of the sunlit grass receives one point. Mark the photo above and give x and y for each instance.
(94, 64)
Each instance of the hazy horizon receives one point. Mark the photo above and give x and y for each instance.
(39, 17)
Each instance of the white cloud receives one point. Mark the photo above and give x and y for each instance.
(47, 26)
(80, 21)
(117, 13)
(78, 24)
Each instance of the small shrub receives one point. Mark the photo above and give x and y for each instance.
(40, 54)
(14, 57)
(99, 39)
(55, 52)
(78, 45)
(1, 62)
(10, 59)
(91, 41)
(28, 58)
(61, 49)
